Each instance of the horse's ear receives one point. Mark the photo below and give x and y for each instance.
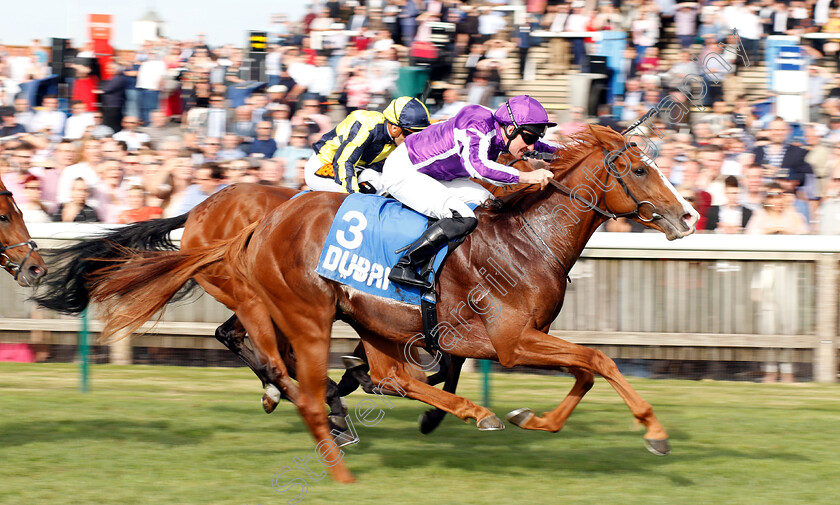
(606, 136)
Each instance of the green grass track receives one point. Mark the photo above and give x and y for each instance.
(171, 435)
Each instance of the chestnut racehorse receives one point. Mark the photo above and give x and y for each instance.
(18, 252)
(523, 251)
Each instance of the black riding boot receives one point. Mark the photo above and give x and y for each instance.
(423, 249)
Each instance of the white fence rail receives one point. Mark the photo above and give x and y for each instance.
(713, 296)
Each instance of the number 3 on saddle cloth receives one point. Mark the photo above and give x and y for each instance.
(363, 244)
(367, 238)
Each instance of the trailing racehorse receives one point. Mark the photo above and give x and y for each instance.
(18, 252)
(498, 292)
(223, 215)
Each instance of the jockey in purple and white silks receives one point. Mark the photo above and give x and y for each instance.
(430, 172)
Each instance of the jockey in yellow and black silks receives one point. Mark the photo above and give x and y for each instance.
(349, 158)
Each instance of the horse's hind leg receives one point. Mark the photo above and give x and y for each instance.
(537, 349)
(556, 419)
(356, 369)
(307, 323)
(232, 334)
(431, 419)
(388, 368)
(312, 355)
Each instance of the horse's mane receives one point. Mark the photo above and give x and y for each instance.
(567, 157)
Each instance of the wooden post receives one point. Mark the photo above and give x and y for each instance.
(485, 382)
(120, 351)
(84, 354)
(825, 350)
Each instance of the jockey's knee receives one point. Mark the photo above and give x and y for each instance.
(455, 207)
(458, 225)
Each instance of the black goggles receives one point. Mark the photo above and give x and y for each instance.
(409, 131)
(529, 136)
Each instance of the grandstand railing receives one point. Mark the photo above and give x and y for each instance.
(637, 296)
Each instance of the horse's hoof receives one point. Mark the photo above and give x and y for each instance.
(490, 423)
(351, 362)
(344, 439)
(430, 420)
(339, 431)
(658, 447)
(270, 399)
(520, 417)
(268, 404)
(337, 421)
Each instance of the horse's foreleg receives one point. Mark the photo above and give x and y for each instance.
(389, 369)
(537, 349)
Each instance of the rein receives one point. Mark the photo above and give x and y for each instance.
(5, 261)
(562, 188)
(611, 171)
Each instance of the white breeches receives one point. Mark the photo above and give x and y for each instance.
(426, 195)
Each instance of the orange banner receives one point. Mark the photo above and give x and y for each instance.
(99, 26)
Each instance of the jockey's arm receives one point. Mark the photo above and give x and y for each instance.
(348, 155)
(475, 155)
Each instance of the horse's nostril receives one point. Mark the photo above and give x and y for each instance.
(37, 272)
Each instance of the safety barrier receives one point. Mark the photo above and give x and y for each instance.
(636, 296)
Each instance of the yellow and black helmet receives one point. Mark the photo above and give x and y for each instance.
(407, 113)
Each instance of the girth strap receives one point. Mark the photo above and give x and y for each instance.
(428, 312)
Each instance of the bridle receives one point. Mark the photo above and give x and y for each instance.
(5, 261)
(609, 158)
(612, 171)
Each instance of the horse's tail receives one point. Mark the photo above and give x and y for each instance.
(66, 289)
(133, 288)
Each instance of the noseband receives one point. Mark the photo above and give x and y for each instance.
(6, 262)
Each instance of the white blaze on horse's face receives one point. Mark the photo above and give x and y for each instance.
(677, 226)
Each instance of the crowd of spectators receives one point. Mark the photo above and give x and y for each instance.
(159, 129)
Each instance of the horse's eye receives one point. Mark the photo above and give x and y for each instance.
(4, 218)
(639, 171)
